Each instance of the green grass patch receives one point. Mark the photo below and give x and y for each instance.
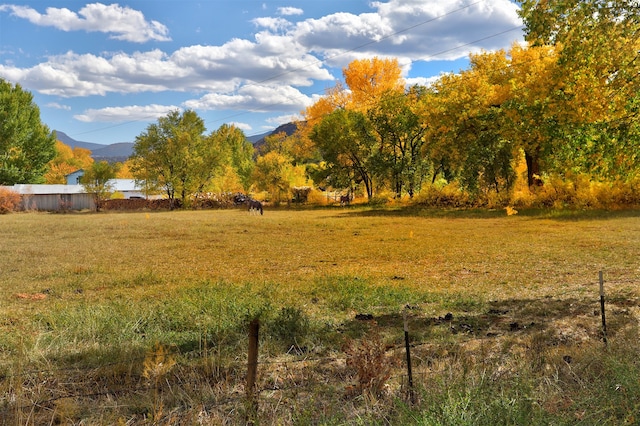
(153, 309)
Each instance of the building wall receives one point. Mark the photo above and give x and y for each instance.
(74, 178)
(58, 202)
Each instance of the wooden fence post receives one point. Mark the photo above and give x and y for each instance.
(604, 322)
(407, 347)
(252, 369)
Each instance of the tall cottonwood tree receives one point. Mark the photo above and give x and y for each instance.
(235, 157)
(26, 144)
(598, 48)
(352, 156)
(532, 116)
(174, 155)
(369, 80)
(465, 116)
(400, 130)
(349, 146)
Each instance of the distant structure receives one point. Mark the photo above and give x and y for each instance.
(53, 197)
(73, 195)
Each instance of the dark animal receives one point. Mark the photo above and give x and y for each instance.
(239, 198)
(345, 200)
(255, 206)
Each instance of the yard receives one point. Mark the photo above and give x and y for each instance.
(142, 318)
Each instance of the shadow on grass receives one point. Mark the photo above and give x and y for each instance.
(477, 213)
(563, 321)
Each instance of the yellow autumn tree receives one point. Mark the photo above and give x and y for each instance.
(464, 139)
(367, 82)
(124, 170)
(275, 174)
(597, 47)
(369, 79)
(532, 114)
(66, 161)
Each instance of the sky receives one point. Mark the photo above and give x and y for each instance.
(103, 72)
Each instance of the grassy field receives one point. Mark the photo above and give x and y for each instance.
(141, 318)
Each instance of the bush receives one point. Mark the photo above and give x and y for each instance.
(579, 191)
(9, 201)
(448, 196)
(618, 194)
(290, 327)
(317, 198)
(368, 360)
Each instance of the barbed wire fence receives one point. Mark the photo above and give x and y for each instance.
(248, 382)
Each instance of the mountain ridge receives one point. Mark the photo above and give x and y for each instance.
(121, 151)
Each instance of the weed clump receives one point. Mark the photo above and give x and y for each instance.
(368, 359)
(290, 327)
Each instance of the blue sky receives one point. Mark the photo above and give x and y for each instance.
(102, 72)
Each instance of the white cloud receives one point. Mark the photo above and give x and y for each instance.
(289, 11)
(271, 58)
(284, 119)
(272, 24)
(255, 98)
(264, 73)
(56, 105)
(126, 113)
(418, 30)
(241, 126)
(421, 81)
(123, 23)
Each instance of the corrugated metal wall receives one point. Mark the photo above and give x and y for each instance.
(58, 202)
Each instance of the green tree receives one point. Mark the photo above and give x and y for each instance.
(596, 106)
(401, 130)
(174, 155)
(96, 181)
(273, 174)
(349, 146)
(466, 117)
(26, 144)
(235, 155)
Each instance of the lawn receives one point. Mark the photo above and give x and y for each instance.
(141, 318)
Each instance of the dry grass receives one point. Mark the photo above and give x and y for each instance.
(91, 294)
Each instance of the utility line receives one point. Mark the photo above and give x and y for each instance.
(354, 49)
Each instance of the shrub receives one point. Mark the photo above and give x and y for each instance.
(618, 194)
(447, 196)
(290, 326)
(9, 200)
(317, 197)
(579, 191)
(368, 359)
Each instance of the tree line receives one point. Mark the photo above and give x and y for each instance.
(564, 105)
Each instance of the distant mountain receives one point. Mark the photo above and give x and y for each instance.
(119, 152)
(116, 152)
(287, 128)
(67, 140)
(256, 138)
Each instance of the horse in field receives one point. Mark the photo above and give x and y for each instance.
(345, 200)
(255, 206)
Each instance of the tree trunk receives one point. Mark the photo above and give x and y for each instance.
(533, 169)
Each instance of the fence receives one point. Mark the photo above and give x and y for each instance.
(239, 389)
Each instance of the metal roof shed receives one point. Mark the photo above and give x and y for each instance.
(54, 197)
